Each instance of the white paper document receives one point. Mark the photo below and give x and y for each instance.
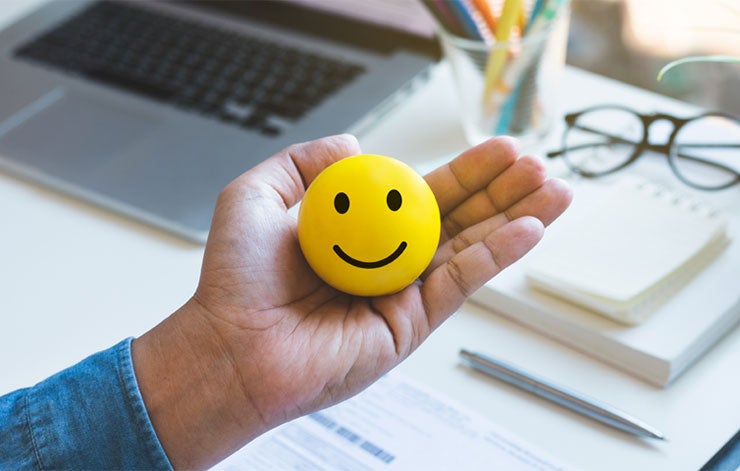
(396, 424)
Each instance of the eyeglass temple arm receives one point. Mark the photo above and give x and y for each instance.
(556, 153)
(612, 139)
(717, 165)
(709, 162)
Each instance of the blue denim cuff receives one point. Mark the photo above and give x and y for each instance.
(89, 416)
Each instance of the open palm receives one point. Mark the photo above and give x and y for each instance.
(301, 345)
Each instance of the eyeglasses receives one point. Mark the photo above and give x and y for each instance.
(703, 151)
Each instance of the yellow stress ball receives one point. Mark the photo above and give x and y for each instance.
(369, 225)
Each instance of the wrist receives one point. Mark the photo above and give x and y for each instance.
(192, 390)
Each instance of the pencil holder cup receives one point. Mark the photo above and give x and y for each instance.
(508, 88)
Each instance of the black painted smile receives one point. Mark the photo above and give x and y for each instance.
(377, 264)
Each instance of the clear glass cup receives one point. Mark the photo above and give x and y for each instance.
(509, 88)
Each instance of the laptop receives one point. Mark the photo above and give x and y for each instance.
(151, 108)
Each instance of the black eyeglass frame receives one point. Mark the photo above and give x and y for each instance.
(667, 149)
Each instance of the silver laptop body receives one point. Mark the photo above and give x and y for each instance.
(161, 163)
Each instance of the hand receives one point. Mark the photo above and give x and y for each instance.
(264, 340)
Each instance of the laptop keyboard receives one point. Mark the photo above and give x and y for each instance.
(233, 77)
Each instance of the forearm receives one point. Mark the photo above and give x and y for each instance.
(194, 396)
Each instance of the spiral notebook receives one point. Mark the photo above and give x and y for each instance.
(630, 252)
(661, 264)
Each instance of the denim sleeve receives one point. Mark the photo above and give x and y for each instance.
(89, 416)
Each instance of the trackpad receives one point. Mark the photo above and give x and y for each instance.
(66, 135)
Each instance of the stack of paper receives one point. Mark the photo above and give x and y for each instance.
(396, 424)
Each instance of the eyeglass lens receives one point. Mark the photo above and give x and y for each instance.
(602, 140)
(706, 151)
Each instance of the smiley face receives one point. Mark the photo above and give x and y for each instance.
(369, 225)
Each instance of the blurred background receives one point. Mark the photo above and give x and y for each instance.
(631, 40)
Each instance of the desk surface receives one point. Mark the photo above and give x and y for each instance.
(77, 279)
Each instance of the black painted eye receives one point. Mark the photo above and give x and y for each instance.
(341, 203)
(393, 200)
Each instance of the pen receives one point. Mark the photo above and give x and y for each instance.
(567, 398)
(484, 7)
(465, 18)
(497, 56)
(536, 8)
(444, 17)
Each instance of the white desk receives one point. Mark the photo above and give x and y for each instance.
(76, 279)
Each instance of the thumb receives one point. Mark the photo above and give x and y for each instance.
(286, 175)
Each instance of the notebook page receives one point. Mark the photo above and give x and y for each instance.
(630, 242)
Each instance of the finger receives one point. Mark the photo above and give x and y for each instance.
(463, 240)
(286, 175)
(526, 175)
(471, 171)
(520, 179)
(546, 204)
(450, 284)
